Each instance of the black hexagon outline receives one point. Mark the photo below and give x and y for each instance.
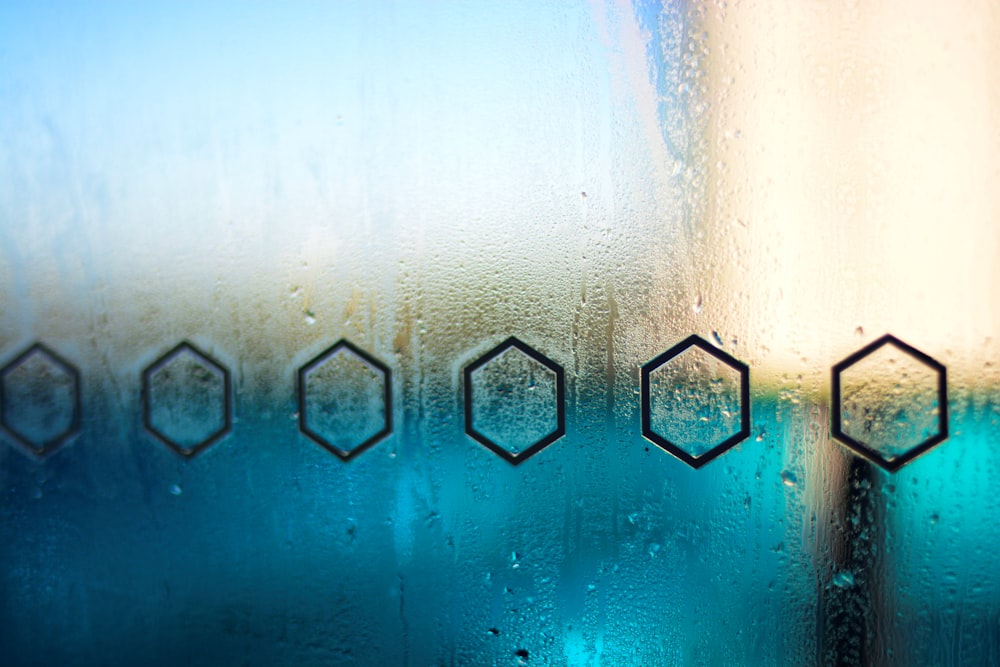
(860, 448)
(528, 452)
(386, 400)
(646, 410)
(147, 409)
(76, 420)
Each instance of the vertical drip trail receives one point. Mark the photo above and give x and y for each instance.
(851, 587)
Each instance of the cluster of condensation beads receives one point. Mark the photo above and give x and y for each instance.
(889, 401)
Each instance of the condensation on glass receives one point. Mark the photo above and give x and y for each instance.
(288, 289)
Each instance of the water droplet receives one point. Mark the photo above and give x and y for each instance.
(844, 579)
(310, 317)
(697, 305)
(788, 478)
(718, 339)
(176, 490)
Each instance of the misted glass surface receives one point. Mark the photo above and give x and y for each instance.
(424, 180)
(39, 399)
(344, 399)
(695, 401)
(514, 400)
(890, 401)
(185, 396)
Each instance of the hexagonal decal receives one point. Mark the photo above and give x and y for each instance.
(515, 401)
(345, 400)
(40, 400)
(695, 401)
(187, 400)
(890, 402)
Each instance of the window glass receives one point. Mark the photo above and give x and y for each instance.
(524, 333)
